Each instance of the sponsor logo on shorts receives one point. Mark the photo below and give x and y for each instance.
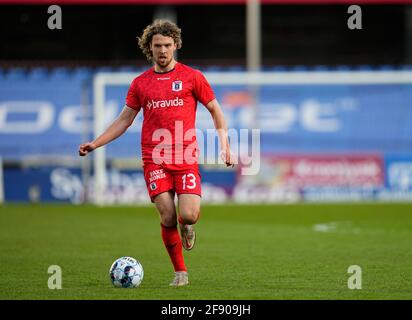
(156, 175)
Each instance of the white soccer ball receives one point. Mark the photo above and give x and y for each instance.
(126, 272)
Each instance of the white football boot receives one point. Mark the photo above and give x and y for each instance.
(188, 234)
(181, 279)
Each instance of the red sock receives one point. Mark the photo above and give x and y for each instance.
(173, 244)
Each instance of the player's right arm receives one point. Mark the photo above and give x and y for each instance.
(115, 130)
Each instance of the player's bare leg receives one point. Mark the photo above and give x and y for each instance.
(189, 210)
(165, 205)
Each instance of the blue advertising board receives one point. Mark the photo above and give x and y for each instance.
(65, 184)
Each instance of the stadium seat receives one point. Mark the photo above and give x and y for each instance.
(299, 68)
(235, 68)
(82, 73)
(213, 69)
(406, 67)
(364, 67)
(321, 68)
(127, 69)
(342, 67)
(274, 69)
(60, 73)
(38, 73)
(103, 69)
(16, 74)
(386, 67)
(141, 69)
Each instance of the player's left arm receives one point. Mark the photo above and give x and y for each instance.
(221, 127)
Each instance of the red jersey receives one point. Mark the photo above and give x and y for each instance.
(169, 102)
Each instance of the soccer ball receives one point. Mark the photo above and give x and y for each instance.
(126, 272)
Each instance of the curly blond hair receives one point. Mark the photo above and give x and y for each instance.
(165, 28)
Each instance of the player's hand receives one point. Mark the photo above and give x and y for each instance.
(229, 158)
(85, 148)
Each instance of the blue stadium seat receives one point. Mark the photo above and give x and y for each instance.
(386, 67)
(16, 74)
(103, 69)
(406, 67)
(38, 73)
(60, 73)
(142, 69)
(213, 69)
(299, 68)
(364, 67)
(236, 68)
(321, 68)
(82, 73)
(274, 69)
(127, 69)
(342, 67)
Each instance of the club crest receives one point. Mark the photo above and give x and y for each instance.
(177, 86)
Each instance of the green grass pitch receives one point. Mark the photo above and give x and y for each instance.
(242, 252)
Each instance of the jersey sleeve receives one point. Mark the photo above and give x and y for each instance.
(202, 89)
(132, 98)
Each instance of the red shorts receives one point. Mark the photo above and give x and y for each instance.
(180, 179)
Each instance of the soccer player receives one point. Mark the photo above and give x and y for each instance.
(168, 94)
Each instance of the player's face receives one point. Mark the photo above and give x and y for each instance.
(163, 49)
